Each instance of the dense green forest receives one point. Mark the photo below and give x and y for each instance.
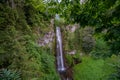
(90, 34)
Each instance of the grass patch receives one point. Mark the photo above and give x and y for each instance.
(92, 69)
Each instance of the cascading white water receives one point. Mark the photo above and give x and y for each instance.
(60, 61)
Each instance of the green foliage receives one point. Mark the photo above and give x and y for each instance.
(101, 49)
(9, 75)
(101, 14)
(87, 40)
(69, 59)
(37, 4)
(36, 13)
(7, 16)
(19, 28)
(72, 60)
(60, 22)
(91, 69)
(77, 39)
(116, 64)
(38, 63)
(82, 39)
(48, 67)
(69, 41)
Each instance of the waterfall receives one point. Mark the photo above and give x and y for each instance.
(60, 61)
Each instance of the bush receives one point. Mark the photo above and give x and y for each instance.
(116, 64)
(6, 74)
(101, 49)
(87, 39)
(48, 67)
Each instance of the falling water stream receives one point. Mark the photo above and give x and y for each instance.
(61, 68)
(60, 61)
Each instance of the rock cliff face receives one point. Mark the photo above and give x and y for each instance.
(49, 36)
(72, 52)
(72, 28)
(47, 39)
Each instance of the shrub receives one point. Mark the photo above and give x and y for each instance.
(116, 64)
(101, 49)
(87, 39)
(48, 67)
(6, 74)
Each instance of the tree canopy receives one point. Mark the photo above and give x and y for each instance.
(103, 15)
